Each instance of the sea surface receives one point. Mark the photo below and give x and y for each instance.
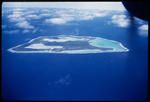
(100, 76)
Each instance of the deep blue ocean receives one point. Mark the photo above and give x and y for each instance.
(101, 76)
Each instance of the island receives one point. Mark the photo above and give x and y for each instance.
(69, 44)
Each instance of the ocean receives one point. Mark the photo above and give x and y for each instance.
(100, 76)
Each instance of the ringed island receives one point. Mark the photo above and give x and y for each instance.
(69, 44)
